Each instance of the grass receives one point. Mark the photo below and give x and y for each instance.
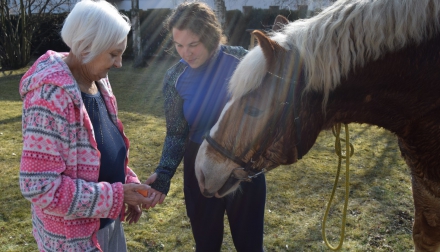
(380, 210)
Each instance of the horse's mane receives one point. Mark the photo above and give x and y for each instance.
(344, 36)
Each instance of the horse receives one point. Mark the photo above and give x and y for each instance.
(373, 62)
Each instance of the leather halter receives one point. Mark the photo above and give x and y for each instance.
(289, 102)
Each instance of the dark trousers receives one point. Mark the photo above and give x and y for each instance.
(244, 208)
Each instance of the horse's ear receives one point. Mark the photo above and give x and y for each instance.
(280, 22)
(271, 49)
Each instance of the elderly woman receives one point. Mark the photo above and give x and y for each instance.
(75, 153)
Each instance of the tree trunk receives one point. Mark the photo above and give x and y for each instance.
(24, 40)
(220, 10)
(135, 24)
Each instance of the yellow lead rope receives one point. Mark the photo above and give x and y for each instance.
(349, 150)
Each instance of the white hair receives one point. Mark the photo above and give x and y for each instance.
(93, 27)
(346, 35)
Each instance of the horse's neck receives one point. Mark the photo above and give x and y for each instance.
(395, 92)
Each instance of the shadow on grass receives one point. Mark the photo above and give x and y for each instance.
(9, 88)
(11, 120)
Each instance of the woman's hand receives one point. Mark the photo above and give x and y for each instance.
(132, 197)
(159, 197)
(132, 214)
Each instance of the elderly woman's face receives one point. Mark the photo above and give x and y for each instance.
(190, 48)
(101, 64)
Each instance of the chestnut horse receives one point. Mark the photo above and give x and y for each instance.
(364, 61)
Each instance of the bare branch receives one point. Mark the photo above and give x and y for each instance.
(19, 21)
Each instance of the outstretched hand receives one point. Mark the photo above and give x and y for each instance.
(134, 198)
(159, 197)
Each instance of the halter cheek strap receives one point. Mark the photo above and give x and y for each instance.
(297, 118)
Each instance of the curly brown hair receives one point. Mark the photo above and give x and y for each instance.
(200, 19)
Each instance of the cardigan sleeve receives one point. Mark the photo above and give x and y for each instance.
(50, 160)
(177, 131)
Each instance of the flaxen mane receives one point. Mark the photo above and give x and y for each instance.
(344, 36)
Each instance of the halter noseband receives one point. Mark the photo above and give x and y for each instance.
(245, 166)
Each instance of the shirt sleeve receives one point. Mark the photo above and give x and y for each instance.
(177, 131)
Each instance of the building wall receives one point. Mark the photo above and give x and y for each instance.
(170, 4)
(230, 4)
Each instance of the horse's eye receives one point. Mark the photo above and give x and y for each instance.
(252, 111)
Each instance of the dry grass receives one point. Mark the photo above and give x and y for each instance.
(380, 211)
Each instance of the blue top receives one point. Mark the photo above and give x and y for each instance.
(110, 143)
(204, 91)
(194, 99)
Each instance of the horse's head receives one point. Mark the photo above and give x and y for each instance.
(256, 129)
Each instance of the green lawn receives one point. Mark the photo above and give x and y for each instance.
(380, 210)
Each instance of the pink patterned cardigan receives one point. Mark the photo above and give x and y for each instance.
(60, 161)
